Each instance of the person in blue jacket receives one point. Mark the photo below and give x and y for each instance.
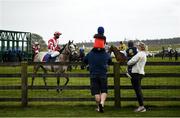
(98, 61)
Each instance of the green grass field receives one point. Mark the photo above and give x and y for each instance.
(81, 109)
(87, 109)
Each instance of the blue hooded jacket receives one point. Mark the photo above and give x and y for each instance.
(98, 61)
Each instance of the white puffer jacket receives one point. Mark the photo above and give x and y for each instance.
(138, 62)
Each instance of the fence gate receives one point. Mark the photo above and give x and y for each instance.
(15, 41)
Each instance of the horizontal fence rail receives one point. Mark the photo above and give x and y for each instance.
(115, 74)
(86, 75)
(80, 63)
(71, 87)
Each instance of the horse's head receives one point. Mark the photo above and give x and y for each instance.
(69, 48)
(120, 56)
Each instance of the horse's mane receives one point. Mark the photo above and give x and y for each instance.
(63, 47)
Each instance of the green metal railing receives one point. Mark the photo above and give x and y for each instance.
(15, 40)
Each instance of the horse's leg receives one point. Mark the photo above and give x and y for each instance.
(76, 66)
(58, 83)
(36, 68)
(44, 77)
(67, 80)
(69, 68)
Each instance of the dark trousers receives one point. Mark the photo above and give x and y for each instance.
(136, 84)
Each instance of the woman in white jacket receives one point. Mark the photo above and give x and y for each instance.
(138, 62)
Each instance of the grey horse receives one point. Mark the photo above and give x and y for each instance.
(68, 50)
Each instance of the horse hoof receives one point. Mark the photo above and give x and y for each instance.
(57, 90)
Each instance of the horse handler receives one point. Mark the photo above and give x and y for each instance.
(98, 61)
(35, 48)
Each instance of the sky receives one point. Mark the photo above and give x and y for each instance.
(78, 20)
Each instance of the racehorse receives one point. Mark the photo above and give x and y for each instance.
(77, 57)
(74, 58)
(67, 50)
(120, 57)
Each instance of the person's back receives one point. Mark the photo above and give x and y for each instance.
(98, 60)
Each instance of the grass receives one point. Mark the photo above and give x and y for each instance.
(159, 47)
(82, 109)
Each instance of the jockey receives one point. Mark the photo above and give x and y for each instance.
(36, 48)
(53, 47)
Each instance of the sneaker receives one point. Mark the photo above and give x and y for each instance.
(128, 75)
(140, 109)
(97, 109)
(101, 109)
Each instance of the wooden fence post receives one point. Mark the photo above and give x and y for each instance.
(116, 70)
(24, 84)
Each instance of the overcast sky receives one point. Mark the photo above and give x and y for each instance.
(78, 19)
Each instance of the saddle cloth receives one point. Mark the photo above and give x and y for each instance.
(48, 58)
